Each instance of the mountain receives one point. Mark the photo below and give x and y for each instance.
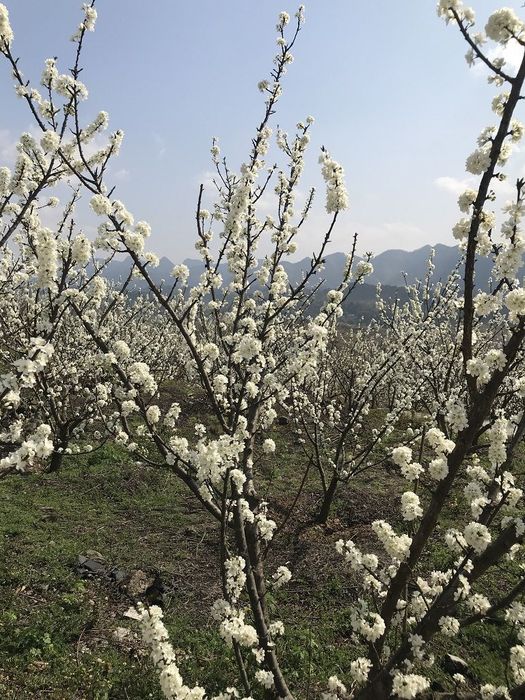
(392, 268)
(396, 267)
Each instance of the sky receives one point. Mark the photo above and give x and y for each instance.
(393, 99)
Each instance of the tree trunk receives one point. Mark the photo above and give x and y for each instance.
(376, 690)
(328, 499)
(55, 463)
(57, 457)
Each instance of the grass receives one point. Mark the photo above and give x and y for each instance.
(65, 637)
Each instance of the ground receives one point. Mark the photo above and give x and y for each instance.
(65, 636)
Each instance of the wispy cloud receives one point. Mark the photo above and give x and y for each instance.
(512, 53)
(401, 227)
(453, 184)
(380, 236)
(160, 143)
(456, 185)
(122, 174)
(207, 179)
(7, 147)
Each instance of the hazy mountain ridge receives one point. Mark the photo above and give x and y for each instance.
(391, 269)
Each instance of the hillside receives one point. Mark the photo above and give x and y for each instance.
(392, 269)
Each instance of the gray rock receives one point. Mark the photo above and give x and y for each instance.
(86, 566)
(455, 664)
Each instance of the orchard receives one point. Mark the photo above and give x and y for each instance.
(301, 415)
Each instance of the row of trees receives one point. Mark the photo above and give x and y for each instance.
(83, 363)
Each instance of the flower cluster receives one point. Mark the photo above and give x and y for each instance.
(333, 174)
(6, 33)
(155, 636)
(83, 362)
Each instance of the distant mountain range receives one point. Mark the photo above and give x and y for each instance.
(392, 269)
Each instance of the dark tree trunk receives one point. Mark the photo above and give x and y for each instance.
(55, 462)
(57, 457)
(328, 499)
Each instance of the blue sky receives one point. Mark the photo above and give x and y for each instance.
(393, 98)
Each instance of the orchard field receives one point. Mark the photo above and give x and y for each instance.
(225, 489)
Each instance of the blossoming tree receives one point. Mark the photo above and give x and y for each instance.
(254, 343)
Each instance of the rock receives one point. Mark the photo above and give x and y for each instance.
(118, 575)
(38, 666)
(146, 586)
(49, 514)
(132, 614)
(139, 582)
(88, 566)
(121, 633)
(92, 563)
(455, 664)
(93, 554)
